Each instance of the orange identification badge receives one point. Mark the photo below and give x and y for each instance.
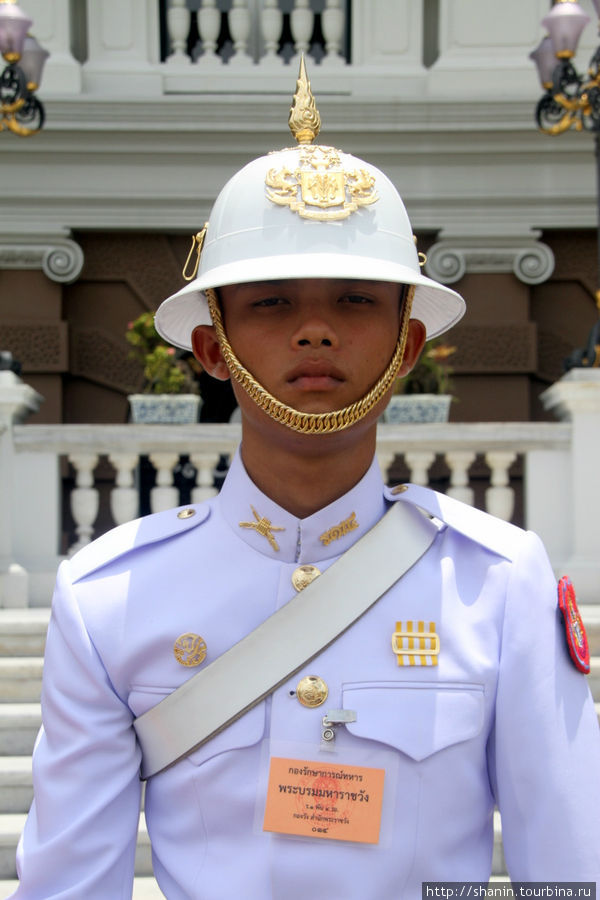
(320, 799)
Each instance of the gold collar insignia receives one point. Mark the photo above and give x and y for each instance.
(338, 531)
(264, 527)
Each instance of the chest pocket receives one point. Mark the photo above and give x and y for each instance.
(245, 732)
(417, 718)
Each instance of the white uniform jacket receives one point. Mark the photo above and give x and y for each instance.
(503, 719)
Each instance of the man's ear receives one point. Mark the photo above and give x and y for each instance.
(415, 342)
(207, 351)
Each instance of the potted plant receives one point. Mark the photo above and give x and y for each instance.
(424, 394)
(170, 394)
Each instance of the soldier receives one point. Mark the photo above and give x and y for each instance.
(376, 668)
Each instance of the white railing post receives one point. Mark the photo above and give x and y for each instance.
(164, 495)
(459, 462)
(178, 26)
(205, 464)
(209, 26)
(301, 23)
(84, 498)
(17, 400)
(239, 28)
(332, 23)
(271, 23)
(124, 499)
(499, 498)
(385, 458)
(419, 462)
(576, 398)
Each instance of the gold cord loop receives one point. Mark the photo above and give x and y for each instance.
(197, 244)
(302, 422)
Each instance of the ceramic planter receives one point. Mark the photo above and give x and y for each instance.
(417, 408)
(164, 409)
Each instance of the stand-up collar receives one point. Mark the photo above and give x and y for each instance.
(273, 531)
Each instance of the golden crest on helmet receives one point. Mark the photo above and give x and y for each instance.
(320, 188)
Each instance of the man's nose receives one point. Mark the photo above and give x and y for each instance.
(314, 332)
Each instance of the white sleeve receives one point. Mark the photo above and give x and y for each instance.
(80, 835)
(545, 748)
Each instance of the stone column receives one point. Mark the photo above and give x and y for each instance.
(485, 57)
(17, 400)
(576, 398)
(387, 41)
(52, 27)
(123, 48)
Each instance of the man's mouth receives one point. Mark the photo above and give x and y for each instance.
(315, 376)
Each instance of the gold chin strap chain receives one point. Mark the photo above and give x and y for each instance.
(311, 423)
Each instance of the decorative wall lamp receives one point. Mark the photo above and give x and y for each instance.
(571, 101)
(22, 112)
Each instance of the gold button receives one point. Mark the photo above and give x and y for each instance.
(189, 649)
(186, 513)
(399, 489)
(303, 575)
(312, 691)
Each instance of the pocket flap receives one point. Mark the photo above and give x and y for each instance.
(417, 718)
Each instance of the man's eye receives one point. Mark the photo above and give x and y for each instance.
(269, 301)
(355, 298)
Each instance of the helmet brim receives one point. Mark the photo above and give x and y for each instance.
(437, 306)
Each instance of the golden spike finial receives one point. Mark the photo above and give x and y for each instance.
(304, 119)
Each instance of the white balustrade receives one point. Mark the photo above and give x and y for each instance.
(178, 26)
(419, 462)
(500, 497)
(164, 495)
(556, 479)
(332, 25)
(302, 22)
(84, 498)
(239, 28)
(205, 466)
(385, 458)
(388, 40)
(459, 462)
(124, 499)
(271, 21)
(209, 26)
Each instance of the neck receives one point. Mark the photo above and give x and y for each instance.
(304, 473)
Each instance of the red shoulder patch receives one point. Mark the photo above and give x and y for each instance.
(577, 641)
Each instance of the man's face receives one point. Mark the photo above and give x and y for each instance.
(316, 344)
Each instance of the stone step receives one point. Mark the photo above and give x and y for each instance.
(23, 631)
(11, 826)
(20, 678)
(16, 785)
(19, 725)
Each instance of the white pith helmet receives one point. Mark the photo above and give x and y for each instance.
(307, 212)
